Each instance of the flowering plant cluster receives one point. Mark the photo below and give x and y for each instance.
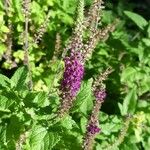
(79, 53)
(54, 101)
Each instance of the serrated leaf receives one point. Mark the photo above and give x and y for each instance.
(83, 101)
(12, 96)
(129, 103)
(4, 81)
(41, 99)
(128, 73)
(68, 122)
(2, 135)
(5, 103)
(137, 19)
(13, 131)
(69, 141)
(19, 78)
(42, 139)
(144, 87)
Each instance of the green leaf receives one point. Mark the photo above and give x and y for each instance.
(16, 4)
(103, 116)
(68, 122)
(19, 78)
(107, 16)
(4, 81)
(5, 103)
(144, 86)
(146, 41)
(69, 141)
(3, 137)
(13, 131)
(109, 128)
(3, 48)
(128, 73)
(129, 146)
(42, 139)
(41, 99)
(84, 101)
(4, 29)
(12, 96)
(137, 19)
(130, 102)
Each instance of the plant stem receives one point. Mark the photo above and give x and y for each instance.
(26, 43)
(8, 54)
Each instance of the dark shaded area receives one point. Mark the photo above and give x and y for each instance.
(139, 6)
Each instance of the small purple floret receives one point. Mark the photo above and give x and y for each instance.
(93, 129)
(73, 74)
(100, 95)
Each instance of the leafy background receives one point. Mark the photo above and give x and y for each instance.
(26, 116)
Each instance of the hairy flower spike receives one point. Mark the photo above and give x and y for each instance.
(98, 83)
(100, 94)
(80, 14)
(93, 129)
(70, 85)
(76, 40)
(26, 9)
(96, 36)
(91, 24)
(72, 75)
(57, 47)
(8, 53)
(94, 14)
(41, 30)
(79, 53)
(74, 68)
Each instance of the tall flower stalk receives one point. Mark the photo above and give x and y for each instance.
(93, 128)
(42, 29)
(26, 6)
(9, 40)
(57, 46)
(79, 51)
(8, 54)
(74, 67)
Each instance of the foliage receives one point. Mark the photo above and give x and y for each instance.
(27, 117)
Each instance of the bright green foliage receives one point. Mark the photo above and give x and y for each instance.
(27, 118)
(139, 20)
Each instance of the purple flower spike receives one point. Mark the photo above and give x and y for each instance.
(71, 82)
(73, 74)
(100, 95)
(93, 129)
